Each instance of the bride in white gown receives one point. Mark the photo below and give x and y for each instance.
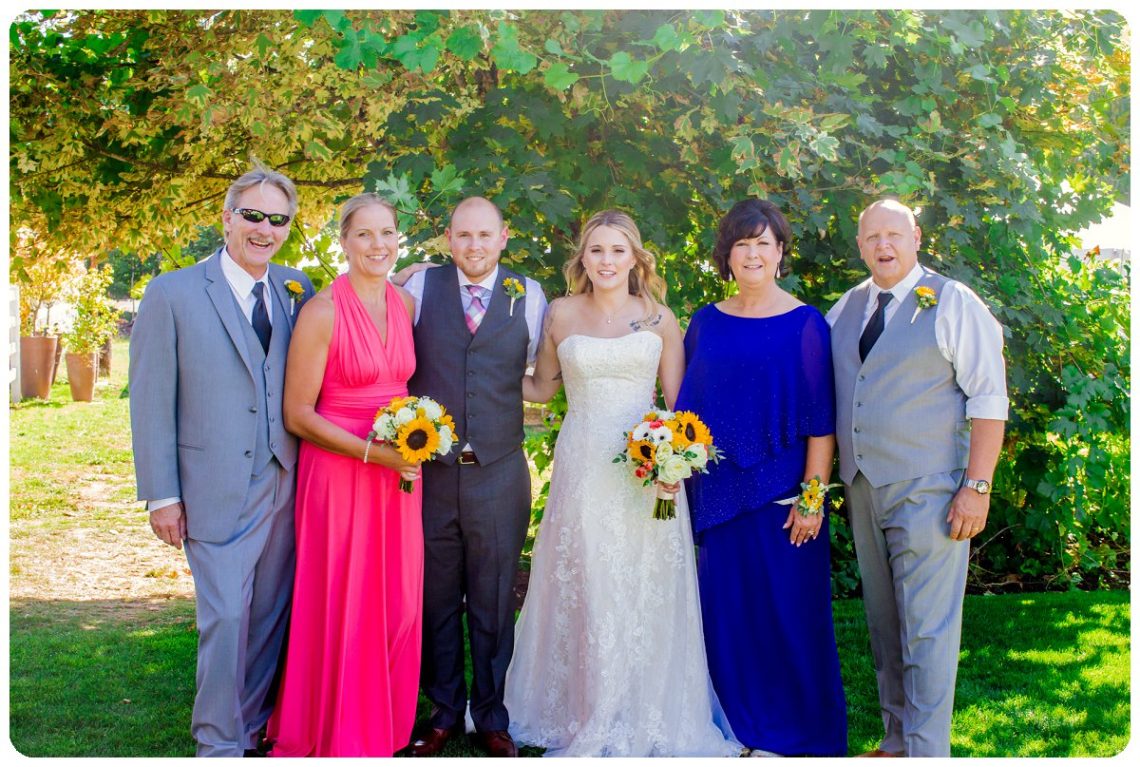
(609, 654)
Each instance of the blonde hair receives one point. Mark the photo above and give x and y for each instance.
(353, 204)
(643, 278)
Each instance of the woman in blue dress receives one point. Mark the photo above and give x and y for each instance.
(759, 375)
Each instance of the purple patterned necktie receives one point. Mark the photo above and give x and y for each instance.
(476, 309)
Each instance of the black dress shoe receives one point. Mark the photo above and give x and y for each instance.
(497, 743)
(435, 740)
(252, 752)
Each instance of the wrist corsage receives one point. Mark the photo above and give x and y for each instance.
(810, 501)
(515, 290)
(295, 292)
(926, 298)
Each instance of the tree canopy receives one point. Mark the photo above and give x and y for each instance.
(1007, 130)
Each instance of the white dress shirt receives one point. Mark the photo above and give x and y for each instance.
(535, 309)
(968, 337)
(241, 283)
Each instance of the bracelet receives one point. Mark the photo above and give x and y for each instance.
(367, 447)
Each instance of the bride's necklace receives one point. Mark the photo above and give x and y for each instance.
(610, 316)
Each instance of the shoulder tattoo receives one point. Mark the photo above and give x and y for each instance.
(651, 322)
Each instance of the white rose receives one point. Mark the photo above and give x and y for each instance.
(404, 415)
(445, 443)
(385, 427)
(673, 469)
(697, 455)
(431, 409)
(664, 450)
(664, 415)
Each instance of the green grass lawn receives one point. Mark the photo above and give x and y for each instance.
(1041, 675)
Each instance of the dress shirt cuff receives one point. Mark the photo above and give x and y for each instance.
(989, 406)
(152, 505)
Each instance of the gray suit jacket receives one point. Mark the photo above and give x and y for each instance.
(194, 408)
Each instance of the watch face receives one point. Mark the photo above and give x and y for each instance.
(980, 485)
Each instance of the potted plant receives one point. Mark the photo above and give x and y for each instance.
(43, 276)
(95, 321)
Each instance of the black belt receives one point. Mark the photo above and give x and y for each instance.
(467, 458)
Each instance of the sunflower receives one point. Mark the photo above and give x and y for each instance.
(687, 429)
(642, 450)
(417, 440)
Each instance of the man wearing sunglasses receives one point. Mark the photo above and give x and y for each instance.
(212, 458)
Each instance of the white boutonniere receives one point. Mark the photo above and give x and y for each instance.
(515, 290)
(295, 292)
(926, 298)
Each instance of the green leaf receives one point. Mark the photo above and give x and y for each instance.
(264, 45)
(199, 94)
(559, 77)
(446, 180)
(350, 56)
(666, 38)
(398, 191)
(308, 18)
(627, 69)
(507, 53)
(465, 42)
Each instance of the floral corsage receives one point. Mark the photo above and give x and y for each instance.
(295, 292)
(926, 298)
(515, 290)
(810, 501)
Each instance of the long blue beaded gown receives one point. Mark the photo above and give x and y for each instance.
(763, 386)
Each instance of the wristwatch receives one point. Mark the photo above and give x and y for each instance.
(980, 486)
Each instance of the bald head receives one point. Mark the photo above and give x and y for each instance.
(477, 205)
(891, 205)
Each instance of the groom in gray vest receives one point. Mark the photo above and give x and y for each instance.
(475, 334)
(212, 458)
(920, 414)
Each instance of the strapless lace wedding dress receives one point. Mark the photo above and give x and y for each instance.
(609, 655)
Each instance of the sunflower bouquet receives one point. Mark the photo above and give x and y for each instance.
(667, 447)
(418, 428)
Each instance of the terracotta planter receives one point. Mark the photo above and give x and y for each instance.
(37, 360)
(55, 361)
(105, 359)
(81, 369)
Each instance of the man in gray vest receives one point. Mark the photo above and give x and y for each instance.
(475, 334)
(920, 414)
(212, 458)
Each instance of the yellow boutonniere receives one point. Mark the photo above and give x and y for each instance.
(926, 298)
(515, 290)
(295, 291)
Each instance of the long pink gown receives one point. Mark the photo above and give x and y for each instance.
(353, 660)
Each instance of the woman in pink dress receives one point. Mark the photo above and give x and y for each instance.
(352, 667)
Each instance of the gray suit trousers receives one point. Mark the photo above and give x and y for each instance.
(914, 578)
(243, 588)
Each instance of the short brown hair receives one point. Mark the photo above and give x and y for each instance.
(750, 218)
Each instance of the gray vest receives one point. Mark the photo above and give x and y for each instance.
(477, 378)
(269, 384)
(900, 414)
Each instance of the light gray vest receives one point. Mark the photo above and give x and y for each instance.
(269, 384)
(477, 378)
(900, 414)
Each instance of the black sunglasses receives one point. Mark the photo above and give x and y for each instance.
(254, 216)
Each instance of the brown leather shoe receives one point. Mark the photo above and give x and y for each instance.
(435, 740)
(878, 752)
(496, 743)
